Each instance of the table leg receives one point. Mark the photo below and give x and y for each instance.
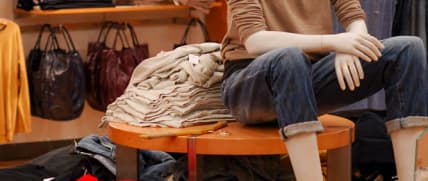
(126, 163)
(339, 162)
(191, 158)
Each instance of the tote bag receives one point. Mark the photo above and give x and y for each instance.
(109, 67)
(56, 78)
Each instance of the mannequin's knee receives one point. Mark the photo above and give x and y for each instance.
(290, 61)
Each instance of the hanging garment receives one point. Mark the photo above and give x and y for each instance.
(411, 18)
(178, 88)
(15, 114)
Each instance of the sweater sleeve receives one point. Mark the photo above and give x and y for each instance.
(23, 122)
(247, 16)
(348, 11)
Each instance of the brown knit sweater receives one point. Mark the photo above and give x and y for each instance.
(246, 17)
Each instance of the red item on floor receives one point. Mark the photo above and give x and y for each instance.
(87, 177)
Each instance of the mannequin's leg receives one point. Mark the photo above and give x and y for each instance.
(404, 144)
(304, 156)
(278, 86)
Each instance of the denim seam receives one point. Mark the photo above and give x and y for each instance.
(303, 127)
(400, 93)
(406, 122)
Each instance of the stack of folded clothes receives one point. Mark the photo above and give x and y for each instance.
(178, 88)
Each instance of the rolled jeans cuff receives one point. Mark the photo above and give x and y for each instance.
(303, 127)
(406, 122)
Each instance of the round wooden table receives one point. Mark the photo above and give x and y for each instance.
(234, 139)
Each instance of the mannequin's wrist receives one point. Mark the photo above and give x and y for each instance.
(327, 42)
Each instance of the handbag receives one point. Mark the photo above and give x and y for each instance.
(56, 78)
(116, 68)
(92, 68)
(33, 67)
(141, 49)
(203, 28)
(109, 70)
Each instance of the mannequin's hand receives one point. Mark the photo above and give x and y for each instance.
(363, 46)
(349, 69)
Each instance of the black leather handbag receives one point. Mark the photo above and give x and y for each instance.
(192, 22)
(56, 78)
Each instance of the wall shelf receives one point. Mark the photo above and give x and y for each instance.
(117, 9)
(118, 13)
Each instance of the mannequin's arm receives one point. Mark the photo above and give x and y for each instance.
(357, 26)
(348, 67)
(359, 44)
(274, 39)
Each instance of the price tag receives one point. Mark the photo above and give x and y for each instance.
(193, 59)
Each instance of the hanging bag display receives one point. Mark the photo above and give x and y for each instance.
(203, 28)
(92, 67)
(109, 69)
(116, 67)
(141, 49)
(33, 69)
(57, 80)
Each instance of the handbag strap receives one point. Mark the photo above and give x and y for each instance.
(120, 32)
(39, 37)
(65, 34)
(52, 41)
(67, 38)
(201, 25)
(134, 37)
(105, 30)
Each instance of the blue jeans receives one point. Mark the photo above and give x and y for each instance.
(284, 85)
(99, 145)
(154, 165)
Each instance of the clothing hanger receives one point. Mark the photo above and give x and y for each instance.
(3, 24)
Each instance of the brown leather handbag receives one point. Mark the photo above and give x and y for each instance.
(92, 67)
(109, 68)
(141, 49)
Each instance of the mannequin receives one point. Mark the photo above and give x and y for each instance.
(282, 63)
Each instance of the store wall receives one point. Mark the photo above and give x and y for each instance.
(6, 8)
(160, 35)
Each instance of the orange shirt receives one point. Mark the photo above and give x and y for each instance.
(15, 114)
(246, 17)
